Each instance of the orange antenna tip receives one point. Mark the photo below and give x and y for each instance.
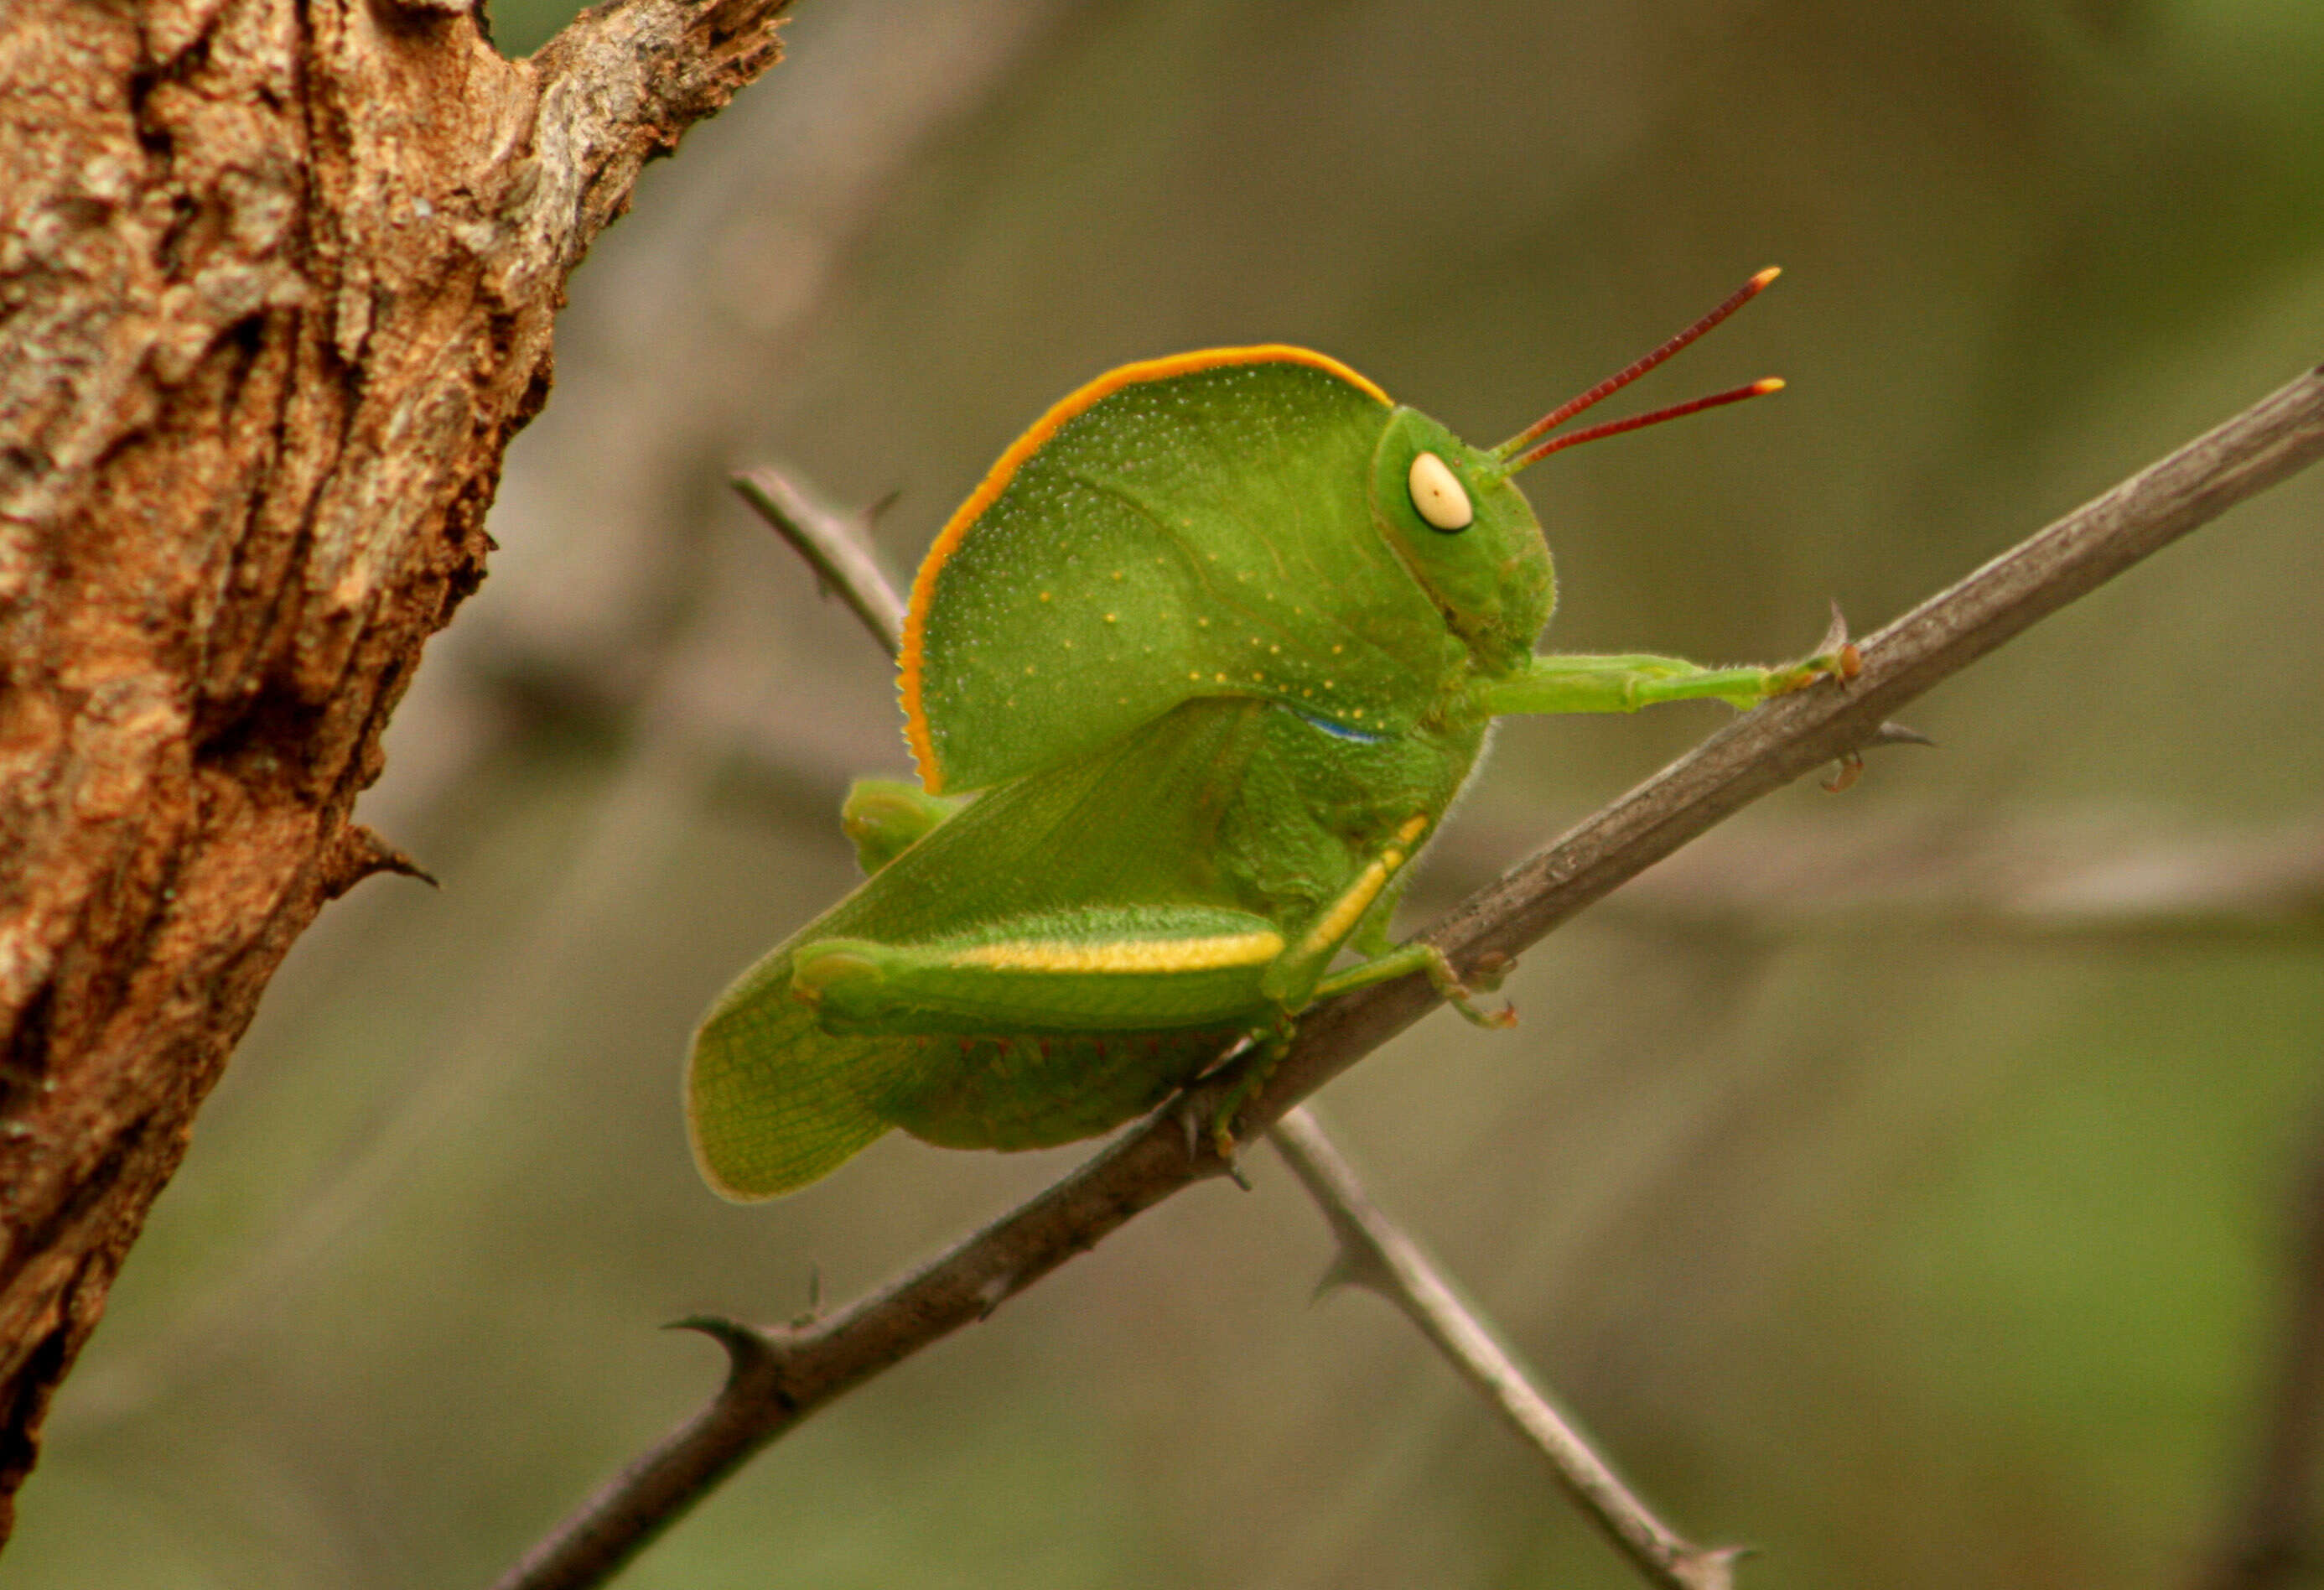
(1766, 385)
(1760, 281)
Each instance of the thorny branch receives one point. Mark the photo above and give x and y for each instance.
(779, 1374)
(1376, 1254)
(835, 546)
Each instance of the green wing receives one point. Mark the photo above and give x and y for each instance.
(1197, 526)
(774, 1102)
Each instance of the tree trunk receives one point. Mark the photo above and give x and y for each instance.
(276, 287)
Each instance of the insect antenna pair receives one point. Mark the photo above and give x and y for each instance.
(1519, 450)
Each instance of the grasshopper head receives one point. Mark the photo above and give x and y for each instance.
(1467, 534)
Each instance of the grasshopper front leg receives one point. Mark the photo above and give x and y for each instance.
(1629, 682)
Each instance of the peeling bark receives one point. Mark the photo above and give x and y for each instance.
(277, 279)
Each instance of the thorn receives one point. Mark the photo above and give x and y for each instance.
(992, 1294)
(1835, 635)
(746, 1345)
(1342, 1272)
(872, 514)
(1848, 661)
(1712, 1568)
(360, 852)
(1850, 768)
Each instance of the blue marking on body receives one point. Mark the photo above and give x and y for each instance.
(1338, 731)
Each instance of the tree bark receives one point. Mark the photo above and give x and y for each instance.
(277, 279)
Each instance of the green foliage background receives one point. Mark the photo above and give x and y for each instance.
(1914, 1252)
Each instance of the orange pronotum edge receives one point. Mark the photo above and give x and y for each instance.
(996, 481)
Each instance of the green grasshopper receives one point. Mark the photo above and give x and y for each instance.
(1212, 647)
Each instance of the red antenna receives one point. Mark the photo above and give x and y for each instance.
(1614, 384)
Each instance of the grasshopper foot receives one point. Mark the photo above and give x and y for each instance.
(1844, 775)
(1484, 976)
(1222, 1138)
(1267, 1045)
(1836, 657)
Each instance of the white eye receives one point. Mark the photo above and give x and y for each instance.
(1437, 496)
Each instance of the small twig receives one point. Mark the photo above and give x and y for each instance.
(1761, 752)
(1375, 1254)
(835, 547)
(2270, 1540)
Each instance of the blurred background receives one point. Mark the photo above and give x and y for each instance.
(1906, 1184)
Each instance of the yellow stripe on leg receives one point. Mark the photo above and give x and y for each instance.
(1127, 955)
(1346, 911)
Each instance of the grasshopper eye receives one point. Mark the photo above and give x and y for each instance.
(1437, 496)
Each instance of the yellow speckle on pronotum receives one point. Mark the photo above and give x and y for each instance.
(1112, 618)
(1045, 596)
